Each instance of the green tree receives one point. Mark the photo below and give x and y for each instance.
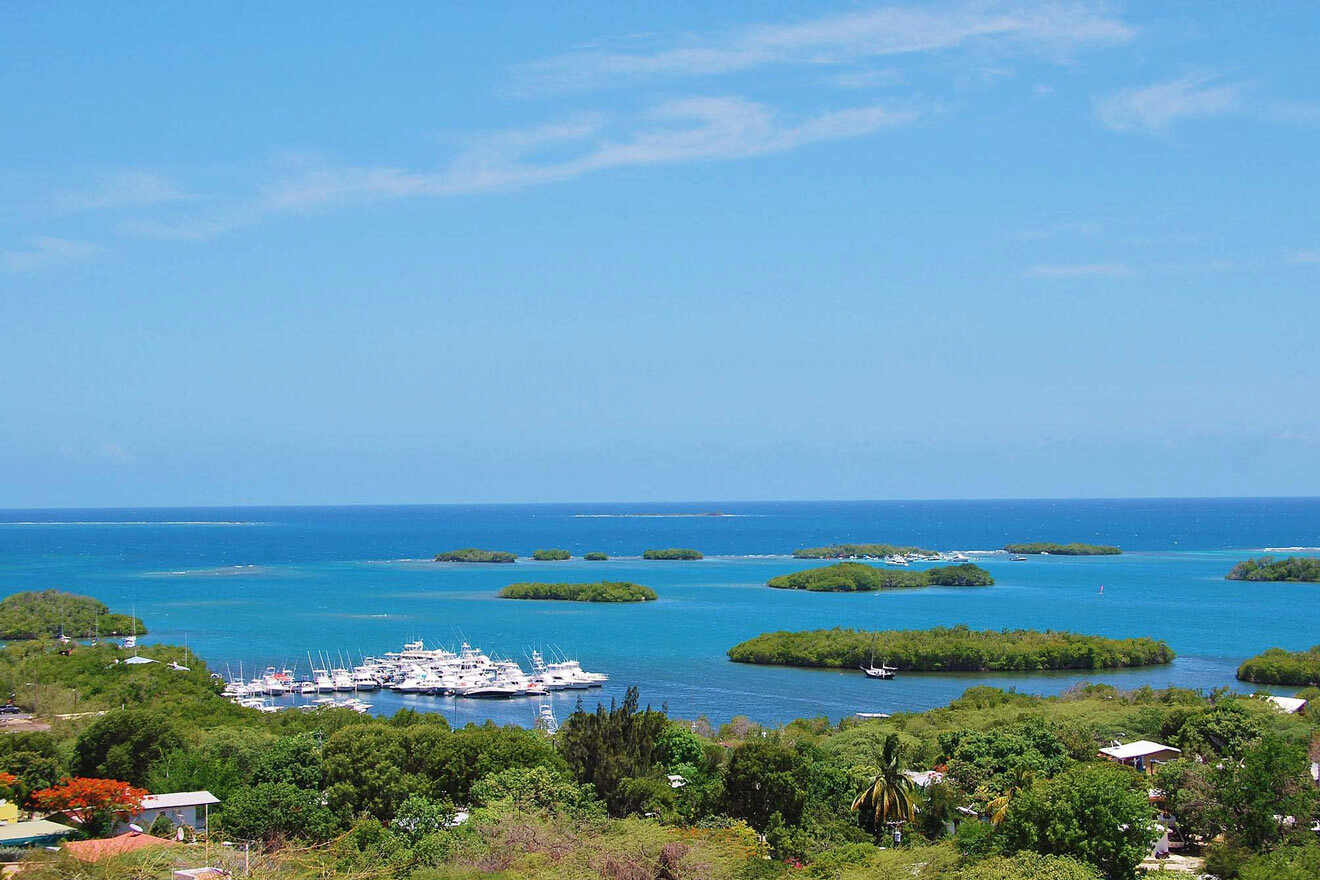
(273, 810)
(766, 777)
(1029, 866)
(124, 745)
(363, 768)
(1285, 863)
(418, 816)
(676, 745)
(292, 759)
(606, 747)
(1098, 813)
(537, 788)
(1020, 780)
(1272, 779)
(889, 797)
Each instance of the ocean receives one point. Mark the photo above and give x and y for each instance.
(255, 586)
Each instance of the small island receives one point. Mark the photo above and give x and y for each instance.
(1051, 549)
(555, 555)
(1298, 569)
(855, 577)
(1277, 666)
(40, 614)
(860, 551)
(471, 554)
(672, 553)
(950, 649)
(600, 591)
(595, 556)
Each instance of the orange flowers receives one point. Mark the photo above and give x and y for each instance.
(82, 796)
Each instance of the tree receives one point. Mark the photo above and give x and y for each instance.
(274, 810)
(123, 745)
(994, 758)
(93, 803)
(1272, 779)
(1285, 863)
(537, 788)
(1021, 780)
(676, 745)
(606, 747)
(1099, 813)
(419, 816)
(363, 767)
(765, 777)
(292, 759)
(889, 797)
(1029, 866)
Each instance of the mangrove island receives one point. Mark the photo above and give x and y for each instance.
(40, 614)
(859, 551)
(672, 553)
(555, 555)
(950, 649)
(595, 556)
(1049, 548)
(1277, 666)
(599, 591)
(1301, 569)
(855, 577)
(471, 554)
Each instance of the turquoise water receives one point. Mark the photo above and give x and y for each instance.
(265, 586)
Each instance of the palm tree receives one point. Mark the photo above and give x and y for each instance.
(889, 797)
(1021, 780)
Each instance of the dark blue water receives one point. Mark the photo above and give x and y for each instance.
(267, 585)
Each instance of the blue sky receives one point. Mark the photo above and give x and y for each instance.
(533, 252)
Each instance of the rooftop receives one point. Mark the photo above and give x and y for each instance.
(1140, 749)
(16, 833)
(96, 850)
(178, 799)
(1291, 705)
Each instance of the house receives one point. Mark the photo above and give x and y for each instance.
(8, 812)
(1142, 754)
(39, 832)
(108, 847)
(1288, 705)
(179, 807)
(924, 778)
(676, 780)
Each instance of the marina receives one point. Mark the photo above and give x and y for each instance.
(467, 672)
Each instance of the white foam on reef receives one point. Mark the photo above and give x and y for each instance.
(223, 571)
(1287, 549)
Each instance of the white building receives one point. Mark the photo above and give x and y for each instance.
(180, 807)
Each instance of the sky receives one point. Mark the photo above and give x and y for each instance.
(408, 253)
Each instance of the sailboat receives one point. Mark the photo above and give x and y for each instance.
(873, 671)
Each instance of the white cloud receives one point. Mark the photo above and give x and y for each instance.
(1080, 270)
(838, 39)
(1155, 107)
(691, 129)
(119, 190)
(1304, 256)
(45, 251)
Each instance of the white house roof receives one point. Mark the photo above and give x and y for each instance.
(178, 799)
(924, 778)
(1140, 749)
(1288, 704)
(136, 660)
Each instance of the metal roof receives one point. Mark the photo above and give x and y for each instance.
(178, 799)
(1139, 749)
(22, 832)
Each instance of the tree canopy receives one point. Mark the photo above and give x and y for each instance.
(48, 613)
(597, 591)
(1266, 568)
(846, 577)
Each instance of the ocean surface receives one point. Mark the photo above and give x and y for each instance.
(258, 586)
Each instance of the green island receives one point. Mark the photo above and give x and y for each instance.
(1023, 792)
(471, 554)
(598, 591)
(595, 556)
(1277, 666)
(859, 551)
(950, 649)
(672, 553)
(855, 577)
(555, 555)
(1053, 549)
(40, 614)
(1303, 569)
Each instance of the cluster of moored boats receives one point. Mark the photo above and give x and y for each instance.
(901, 559)
(417, 669)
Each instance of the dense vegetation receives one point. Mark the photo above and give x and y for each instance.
(1267, 568)
(846, 577)
(950, 649)
(471, 554)
(555, 555)
(1064, 549)
(672, 553)
(599, 591)
(858, 551)
(595, 556)
(47, 613)
(1277, 666)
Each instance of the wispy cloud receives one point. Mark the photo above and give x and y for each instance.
(1305, 256)
(836, 39)
(691, 129)
(45, 251)
(1154, 108)
(1080, 270)
(120, 190)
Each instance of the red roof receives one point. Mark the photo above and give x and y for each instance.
(96, 850)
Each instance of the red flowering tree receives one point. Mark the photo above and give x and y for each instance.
(7, 786)
(93, 803)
